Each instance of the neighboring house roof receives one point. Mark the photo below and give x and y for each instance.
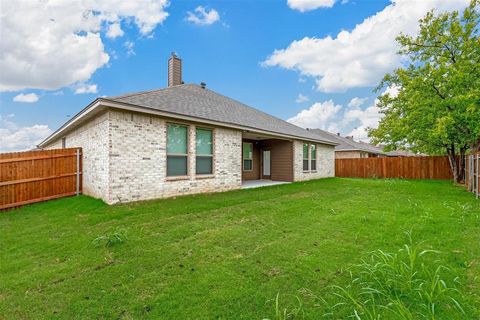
(348, 144)
(403, 153)
(201, 104)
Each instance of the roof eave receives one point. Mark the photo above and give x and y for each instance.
(104, 102)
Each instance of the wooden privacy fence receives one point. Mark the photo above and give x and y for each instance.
(394, 167)
(33, 176)
(472, 173)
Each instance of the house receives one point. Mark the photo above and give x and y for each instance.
(349, 148)
(186, 139)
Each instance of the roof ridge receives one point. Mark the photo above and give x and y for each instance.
(127, 95)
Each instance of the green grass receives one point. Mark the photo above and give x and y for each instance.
(288, 251)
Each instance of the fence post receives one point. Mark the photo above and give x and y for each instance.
(478, 188)
(78, 172)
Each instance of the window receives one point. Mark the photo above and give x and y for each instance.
(313, 157)
(177, 158)
(204, 151)
(247, 156)
(64, 142)
(305, 157)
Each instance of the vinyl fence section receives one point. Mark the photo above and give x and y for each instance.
(395, 167)
(472, 173)
(33, 176)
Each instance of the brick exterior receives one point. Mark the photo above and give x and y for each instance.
(124, 158)
(350, 154)
(138, 160)
(92, 137)
(325, 162)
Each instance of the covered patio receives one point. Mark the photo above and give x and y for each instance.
(249, 184)
(266, 160)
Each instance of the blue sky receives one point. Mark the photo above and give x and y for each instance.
(312, 62)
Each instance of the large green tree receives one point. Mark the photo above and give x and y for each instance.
(437, 108)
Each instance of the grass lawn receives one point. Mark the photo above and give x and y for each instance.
(228, 255)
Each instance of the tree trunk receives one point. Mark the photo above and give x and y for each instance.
(461, 165)
(453, 163)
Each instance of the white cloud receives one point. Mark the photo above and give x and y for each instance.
(351, 121)
(15, 138)
(114, 30)
(356, 102)
(392, 91)
(86, 88)
(307, 5)
(301, 98)
(358, 58)
(52, 44)
(319, 115)
(129, 45)
(28, 98)
(202, 16)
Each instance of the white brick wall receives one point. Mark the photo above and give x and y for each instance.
(138, 160)
(93, 138)
(125, 159)
(325, 162)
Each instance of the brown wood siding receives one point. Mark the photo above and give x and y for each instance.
(281, 159)
(255, 173)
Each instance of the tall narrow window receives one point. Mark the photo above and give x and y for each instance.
(305, 157)
(177, 157)
(64, 142)
(313, 157)
(204, 151)
(247, 156)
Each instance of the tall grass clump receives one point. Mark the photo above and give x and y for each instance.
(289, 309)
(408, 284)
(110, 239)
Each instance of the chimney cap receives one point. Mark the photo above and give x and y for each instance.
(203, 85)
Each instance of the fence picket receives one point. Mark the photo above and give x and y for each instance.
(394, 167)
(33, 176)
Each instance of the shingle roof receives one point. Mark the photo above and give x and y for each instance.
(194, 101)
(348, 143)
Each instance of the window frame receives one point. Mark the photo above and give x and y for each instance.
(246, 159)
(64, 142)
(187, 148)
(306, 159)
(212, 155)
(313, 152)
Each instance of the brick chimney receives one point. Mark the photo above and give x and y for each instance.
(174, 70)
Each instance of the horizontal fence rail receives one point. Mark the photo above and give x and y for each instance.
(33, 176)
(472, 173)
(395, 167)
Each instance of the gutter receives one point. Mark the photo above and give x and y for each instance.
(103, 102)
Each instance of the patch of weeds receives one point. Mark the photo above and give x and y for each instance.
(110, 239)
(289, 308)
(407, 284)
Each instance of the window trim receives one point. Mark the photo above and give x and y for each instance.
(243, 159)
(186, 175)
(205, 175)
(307, 159)
(312, 160)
